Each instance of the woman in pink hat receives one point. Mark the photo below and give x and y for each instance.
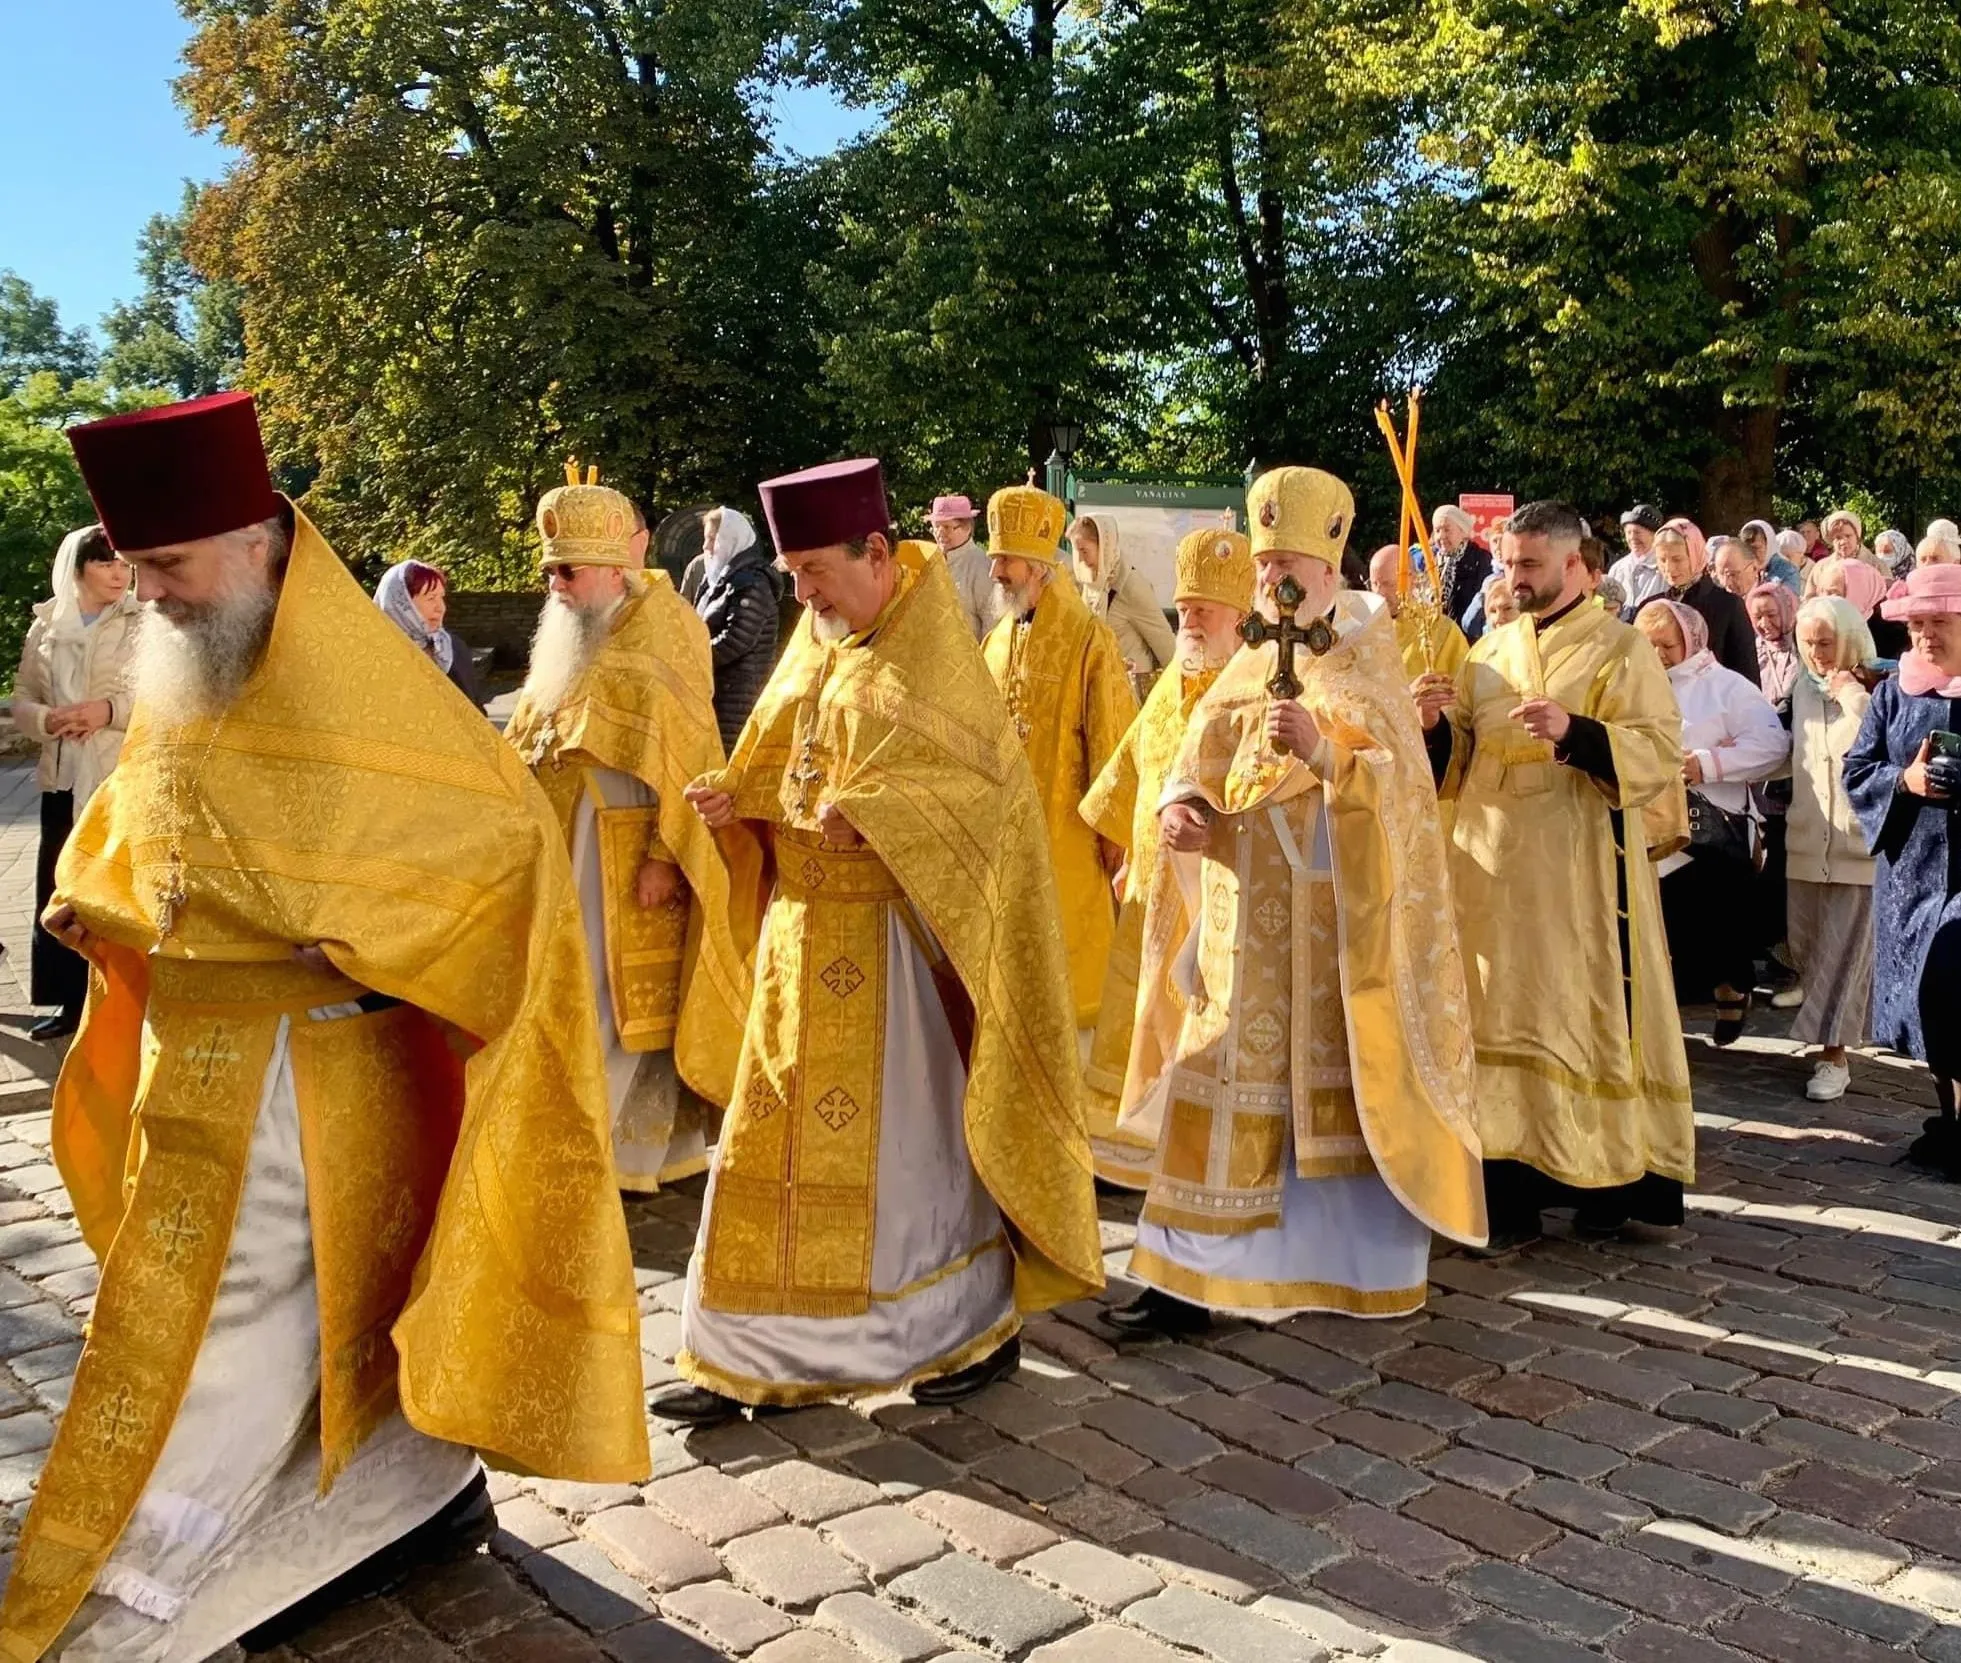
(952, 525)
(1903, 775)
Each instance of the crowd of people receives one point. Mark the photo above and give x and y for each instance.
(1338, 918)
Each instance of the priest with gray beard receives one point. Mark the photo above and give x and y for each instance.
(616, 717)
(334, 1119)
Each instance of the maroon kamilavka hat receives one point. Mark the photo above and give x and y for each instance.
(836, 503)
(178, 472)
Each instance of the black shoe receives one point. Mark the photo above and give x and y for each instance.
(1731, 1014)
(1152, 1312)
(59, 1026)
(1507, 1238)
(455, 1533)
(1597, 1223)
(998, 1364)
(695, 1406)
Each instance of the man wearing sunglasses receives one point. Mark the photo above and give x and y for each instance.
(615, 718)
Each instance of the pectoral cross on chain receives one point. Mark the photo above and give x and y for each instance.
(1287, 635)
(808, 773)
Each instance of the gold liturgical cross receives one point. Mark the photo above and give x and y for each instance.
(173, 897)
(209, 1057)
(808, 773)
(177, 1231)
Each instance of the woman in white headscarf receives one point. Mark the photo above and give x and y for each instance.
(734, 592)
(1122, 597)
(416, 598)
(71, 696)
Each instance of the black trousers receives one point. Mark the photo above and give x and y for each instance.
(1710, 912)
(1515, 1194)
(57, 976)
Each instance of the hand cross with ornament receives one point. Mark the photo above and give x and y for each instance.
(1287, 635)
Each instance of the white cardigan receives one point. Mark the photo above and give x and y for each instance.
(1729, 727)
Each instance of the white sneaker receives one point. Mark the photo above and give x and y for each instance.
(1828, 1082)
(1788, 998)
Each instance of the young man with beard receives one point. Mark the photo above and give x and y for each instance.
(904, 1169)
(1069, 695)
(615, 718)
(338, 1038)
(1552, 740)
(1302, 1056)
(1214, 594)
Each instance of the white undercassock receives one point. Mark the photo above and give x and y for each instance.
(232, 1529)
(942, 1273)
(659, 1126)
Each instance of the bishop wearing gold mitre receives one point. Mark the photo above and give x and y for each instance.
(334, 1122)
(616, 716)
(1561, 744)
(1214, 594)
(904, 1170)
(1302, 1056)
(1069, 696)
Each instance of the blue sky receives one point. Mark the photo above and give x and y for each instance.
(91, 144)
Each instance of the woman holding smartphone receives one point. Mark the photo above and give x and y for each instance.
(1903, 776)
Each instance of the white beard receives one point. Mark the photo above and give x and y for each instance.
(568, 639)
(1018, 600)
(193, 665)
(830, 631)
(1198, 653)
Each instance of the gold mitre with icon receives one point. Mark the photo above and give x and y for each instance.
(1300, 511)
(585, 523)
(1025, 523)
(1215, 565)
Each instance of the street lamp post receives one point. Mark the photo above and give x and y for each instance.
(1064, 436)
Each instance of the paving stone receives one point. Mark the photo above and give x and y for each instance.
(651, 1550)
(708, 1503)
(1361, 1342)
(1285, 1490)
(1153, 1432)
(1738, 1564)
(900, 1467)
(1492, 1527)
(1615, 1425)
(1356, 1471)
(1240, 1420)
(877, 1631)
(1324, 1627)
(1916, 1397)
(586, 1585)
(1635, 1580)
(24, 1434)
(1840, 1409)
(1298, 1550)
(1479, 1470)
(981, 1526)
(1092, 1575)
(738, 1622)
(1488, 1345)
(1388, 1593)
(1836, 1492)
(28, 1328)
(1739, 1415)
(1016, 1412)
(1933, 1525)
(1436, 1369)
(1709, 1373)
(467, 1598)
(1220, 1631)
(1638, 1388)
(1179, 1556)
(654, 1641)
(1935, 1588)
(1495, 1637)
(886, 1540)
(1005, 1612)
(1551, 1452)
(1566, 1336)
(1095, 1456)
(1102, 1515)
(524, 1526)
(1862, 1610)
(579, 1501)
(824, 1429)
(1541, 1601)
(1105, 1643)
(543, 1639)
(805, 1646)
(1398, 1440)
(1297, 1403)
(1414, 1403)
(1827, 1548)
(1159, 1487)
(1141, 1376)
(1305, 1365)
(1652, 1643)
(808, 1492)
(1785, 1637)
(1869, 1455)
(1684, 1495)
(737, 1446)
(959, 1438)
(1939, 1440)
(1406, 1543)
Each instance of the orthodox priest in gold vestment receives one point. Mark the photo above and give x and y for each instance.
(334, 1122)
(1302, 1053)
(1069, 697)
(904, 1169)
(617, 715)
(1214, 594)
(1560, 744)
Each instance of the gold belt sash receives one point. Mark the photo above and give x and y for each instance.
(212, 1028)
(809, 869)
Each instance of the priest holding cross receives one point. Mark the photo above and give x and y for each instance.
(1302, 1056)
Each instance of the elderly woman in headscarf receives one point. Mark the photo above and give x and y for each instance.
(1941, 546)
(415, 596)
(736, 597)
(1731, 739)
(71, 697)
(1682, 558)
(1828, 872)
(1767, 548)
(1895, 552)
(1845, 535)
(1865, 588)
(1122, 597)
(1773, 611)
(1904, 780)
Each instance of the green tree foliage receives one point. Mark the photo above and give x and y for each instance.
(183, 332)
(472, 239)
(32, 341)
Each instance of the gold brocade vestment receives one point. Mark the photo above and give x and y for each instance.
(1122, 805)
(347, 800)
(1581, 1068)
(901, 728)
(1066, 684)
(1333, 1011)
(644, 708)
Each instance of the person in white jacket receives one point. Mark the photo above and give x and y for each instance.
(71, 697)
(1122, 597)
(1731, 739)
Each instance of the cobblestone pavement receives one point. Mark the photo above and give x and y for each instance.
(1740, 1442)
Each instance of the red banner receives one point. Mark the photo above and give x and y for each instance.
(1487, 508)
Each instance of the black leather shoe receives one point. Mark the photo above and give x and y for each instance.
(455, 1533)
(998, 1364)
(59, 1026)
(1599, 1223)
(1507, 1238)
(1152, 1312)
(695, 1406)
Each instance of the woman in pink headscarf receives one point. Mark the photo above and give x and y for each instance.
(1865, 589)
(1682, 558)
(1731, 738)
